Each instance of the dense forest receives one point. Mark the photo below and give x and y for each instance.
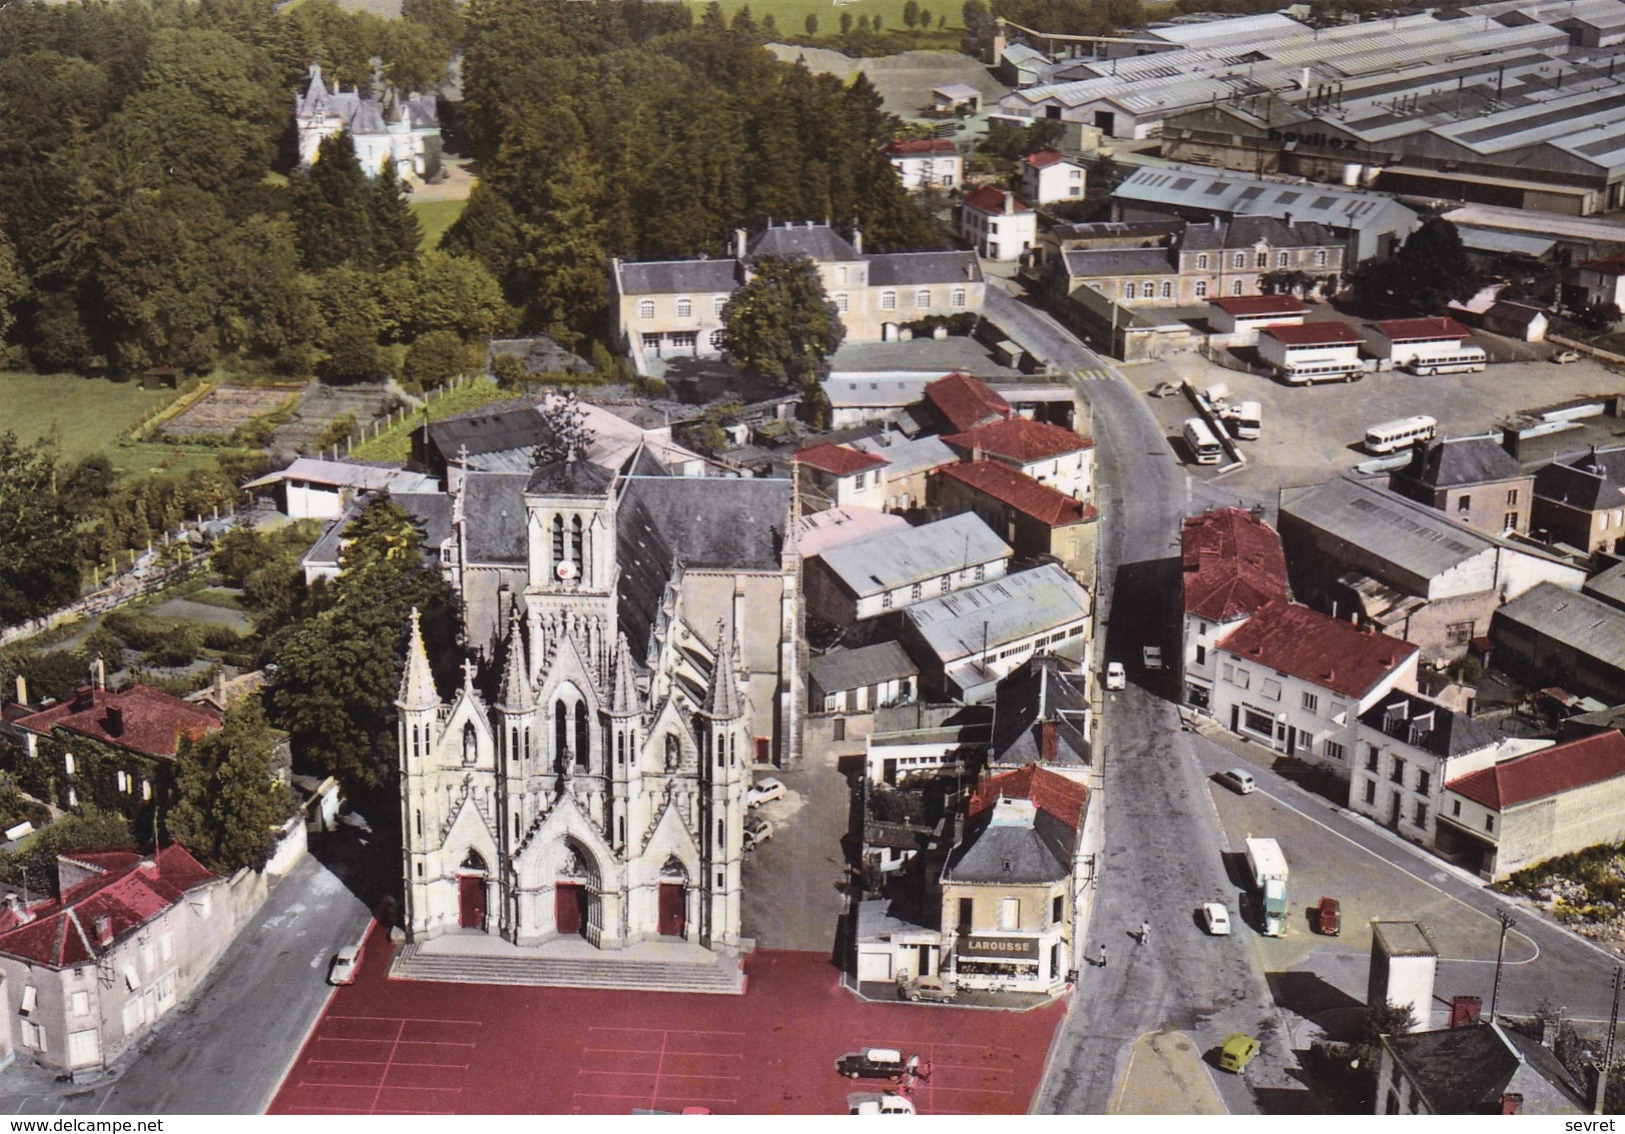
(152, 215)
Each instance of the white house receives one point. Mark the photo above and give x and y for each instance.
(1242, 316)
(1404, 341)
(1311, 349)
(1296, 680)
(917, 738)
(847, 477)
(1232, 567)
(926, 163)
(1047, 176)
(313, 489)
(1049, 454)
(996, 223)
(1602, 281)
(404, 132)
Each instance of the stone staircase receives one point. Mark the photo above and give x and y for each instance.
(725, 976)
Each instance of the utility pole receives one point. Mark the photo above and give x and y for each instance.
(1507, 922)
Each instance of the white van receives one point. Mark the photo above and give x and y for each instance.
(1245, 420)
(1205, 447)
(1402, 433)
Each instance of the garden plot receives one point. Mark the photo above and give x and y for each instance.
(222, 410)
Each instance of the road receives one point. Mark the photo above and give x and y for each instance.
(225, 1051)
(1164, 843)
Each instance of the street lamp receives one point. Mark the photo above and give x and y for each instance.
(1507, 922)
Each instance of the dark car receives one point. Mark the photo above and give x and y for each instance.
(872, 1063)
(1329, 917)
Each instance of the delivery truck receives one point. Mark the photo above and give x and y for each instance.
(1268, 867)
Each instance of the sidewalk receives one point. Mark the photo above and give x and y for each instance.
(1165, 1074)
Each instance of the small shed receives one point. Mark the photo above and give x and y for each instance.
(953, 97)
(1516, 321)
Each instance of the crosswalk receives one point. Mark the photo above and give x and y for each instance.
(1093, 375)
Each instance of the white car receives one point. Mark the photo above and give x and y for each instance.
(1152, 656)
(757, 831)
(346, 962)
(867, 1102)
(1216, 918)
(763, 791)
(1116, 676)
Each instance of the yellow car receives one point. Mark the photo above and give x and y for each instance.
(1236, 1050)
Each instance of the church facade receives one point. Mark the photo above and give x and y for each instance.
(588, 778)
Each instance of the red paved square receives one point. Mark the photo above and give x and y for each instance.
(410, 1047)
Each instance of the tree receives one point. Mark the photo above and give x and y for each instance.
(846, 23)
(567, 432)
(1598, 316)
(440, 292)
(781, 324)
(1430, 269)
(38, 549)
(228, 796)
(333, 208)
(13, 282)
(1375, 1022)
(436, 358)
(395, 229)
(911, 13)
(812, 23)
(35, 868)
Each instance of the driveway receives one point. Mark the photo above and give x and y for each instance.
(794, 882)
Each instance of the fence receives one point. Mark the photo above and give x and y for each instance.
(394, 417)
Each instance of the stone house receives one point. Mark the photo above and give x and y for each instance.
(1231, 568)
(1035, 519)
(1473, 480)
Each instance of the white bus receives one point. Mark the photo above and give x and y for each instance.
(1469, 360)
(1401, 434)
(1302, 374)
(1205, 447)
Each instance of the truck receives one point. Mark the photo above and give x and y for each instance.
(1268, 868)
(1244, 420)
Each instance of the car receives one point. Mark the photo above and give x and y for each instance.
(1164, 390)
(757, 831)
(1564, 356)
(763, 791)
(1329, 917)
(346, 963)
(1152, 656)
(1238, 780)
(927, 988)
(1235, 1050)
(1216, 918)
(889, 1102)
(1116, 676)
(872, 1063)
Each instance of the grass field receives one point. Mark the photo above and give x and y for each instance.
(395, 443)
(436, 217)
(790, 16)
(86, 414)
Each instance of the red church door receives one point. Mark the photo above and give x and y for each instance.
(570, 907)
(471, 901)
(673, 908)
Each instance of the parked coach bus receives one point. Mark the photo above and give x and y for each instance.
(1204, 444)
(1468, 360)
(1303, 374)
(1391, 436)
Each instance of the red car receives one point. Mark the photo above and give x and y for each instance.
(1329, 917)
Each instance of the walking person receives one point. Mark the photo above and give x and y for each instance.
(1102, 961)
(1145, 933)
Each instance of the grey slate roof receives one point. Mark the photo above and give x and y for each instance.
(910, 269)
(1229, 192)
(495, 428)
(494, 517)
(954, 626)
(1412, 536)
(905, 457)
(1609, 585)
(867, 665)
(674, 277)
(1468, 1070)
(997, 852)
(1244, 232)
(1428, 725)
(1085, 262)
(1456, 461)
(1573, 483)
(721, 522)
(897, 557)
(819, 241)
(1041, 692)
(1586, 625)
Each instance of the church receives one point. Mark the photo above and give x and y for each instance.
(632, 640)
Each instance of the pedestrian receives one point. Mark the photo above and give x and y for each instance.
(1102, 961)
(1145, 932)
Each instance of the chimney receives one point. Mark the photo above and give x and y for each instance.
(1548, 1034)
(1287, 220)
(84, 697)
(115, 721)
(104, 930)
(857, 237)
(22, 690)
(20, 914)
(1464, 1010)
(1511, 1104)
(741, 238)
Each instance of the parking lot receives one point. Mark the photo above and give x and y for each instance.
(1311, 433)
(410, 1047)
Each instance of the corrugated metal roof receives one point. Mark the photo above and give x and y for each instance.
(1414, 538)
(998, 611)
(891, 559)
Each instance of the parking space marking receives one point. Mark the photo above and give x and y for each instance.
(677, 1048)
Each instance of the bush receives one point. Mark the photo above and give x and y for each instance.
(339, 430)
(508, 370)
(437, 357)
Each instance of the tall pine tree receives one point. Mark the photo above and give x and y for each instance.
(396, 232)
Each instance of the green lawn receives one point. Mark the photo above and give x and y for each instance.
(86, 414)
(395, 443)
(436, 217)
(790, 16)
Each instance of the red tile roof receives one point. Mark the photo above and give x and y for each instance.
(1020, 440)
(1318, 648)
(965, 402)
(1042, 159)
(1233, 564)
(1548, 772)
(1253, 305)
(127, 889)
(152, 721)
(1053, 794)
(1608, 265)
(1021, 492)
(1314, 334)
(991, 199)
(838, 460)
(1403, 330)
(921, 147)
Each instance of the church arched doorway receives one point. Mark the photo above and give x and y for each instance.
(672, 911)
(472, 878)
(572, 894)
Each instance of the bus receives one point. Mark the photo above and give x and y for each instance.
(1469, 360)
(1205, 447)
(1303, 374)
(1401, 434)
